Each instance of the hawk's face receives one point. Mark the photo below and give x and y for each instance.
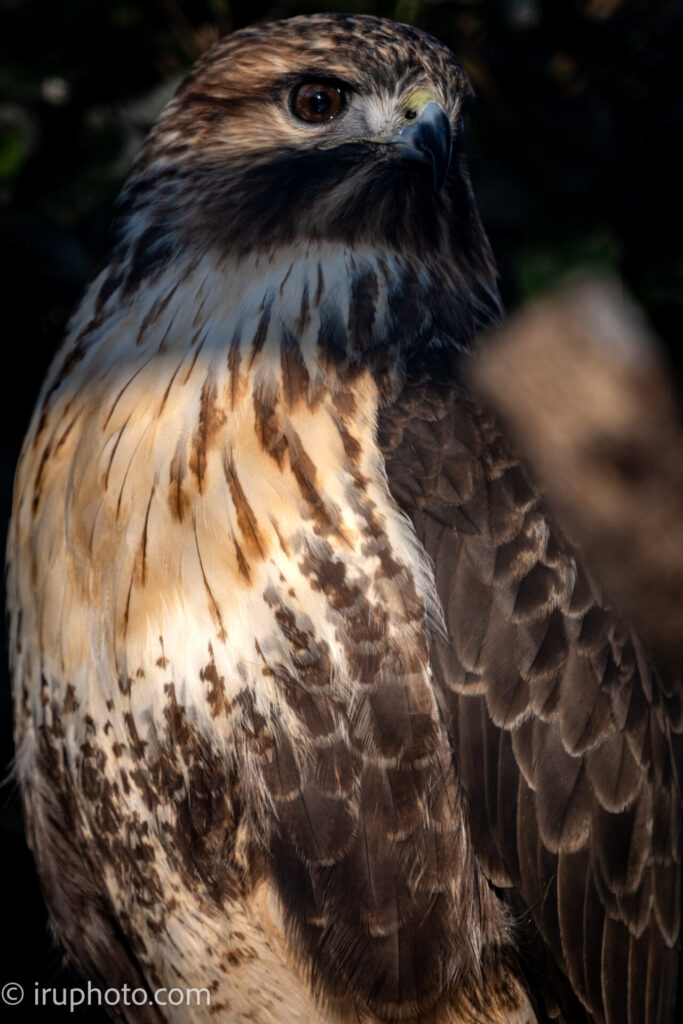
(329, 128)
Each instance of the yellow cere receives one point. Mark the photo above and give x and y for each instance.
(417, 101)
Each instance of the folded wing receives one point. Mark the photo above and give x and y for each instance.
(565, 736)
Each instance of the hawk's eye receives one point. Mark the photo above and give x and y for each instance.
(314, 101)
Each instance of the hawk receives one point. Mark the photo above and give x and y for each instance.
(316, 708)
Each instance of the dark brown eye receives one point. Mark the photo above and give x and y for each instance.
(314, 101)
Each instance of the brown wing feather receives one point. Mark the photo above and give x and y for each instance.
(565, 736)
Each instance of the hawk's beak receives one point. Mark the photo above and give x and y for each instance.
(428, 139)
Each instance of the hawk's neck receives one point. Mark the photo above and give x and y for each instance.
(343, 308)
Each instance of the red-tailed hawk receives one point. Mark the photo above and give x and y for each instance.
(315, 707)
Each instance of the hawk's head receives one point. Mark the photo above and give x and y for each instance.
(329, 128)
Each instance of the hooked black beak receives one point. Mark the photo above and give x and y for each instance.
(428, 139)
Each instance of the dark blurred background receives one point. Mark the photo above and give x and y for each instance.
(572, 151)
